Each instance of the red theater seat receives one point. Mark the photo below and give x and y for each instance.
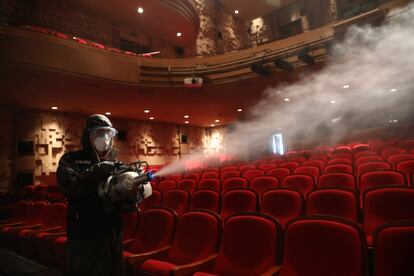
(395, 159)
(154, 200)
(263, 183)
(177, 199)
(229, 174)
(279, 173)
(211, 169)
(210, 175)
(282, 204)
(153, 237)
(209, 183)
(360, 147)
(195, 245)
(301, 183)
(345, 161)
(385, 205)
(19, 213)
(315, 163)
(364, 153)
(372, 166)
(393, 249)
(130, 221)
(187, 184)
(166, 185)
(407, 167)
(206, 199)
(289, 165)
(376, 179)
(406, 144)
(174, 177)
(340, 203)
(235, 182)
(251, 245)
(324, 246)
(267, 167)
(337, 180)
(250, 174)
(389, 152)
(193, 176)
(338, 168)
(365, 159)
(239, 200)
(228, 168)
(244, 168)
(308, 170)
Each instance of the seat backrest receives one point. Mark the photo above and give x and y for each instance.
(345, 161)
(229, 174)
(166, 185)
(193, 176)
(228, 168)
(209, 183)
(335, 202)
(316, 163)
(289, 165)
(279, 173)
(177, 199)
(282, 204)
(337, 180)
(239, 200)
(174, 177)
(338, 168)
(154, 200)
(206, 199)
(393, 249)
(211, 169)
(395, 159)
(251, 245)
(21, 211)
(389, 152)
(263, 183)
(235, 182)
(130, 223)
(364, 159)
(56, 215)
(407, 168)
(250, 174)
(302, 183)
(38, 213)
(244, 168)
(375, 179)
(210, 175)
(197, 236)
(372, 166)
(365, 153)
(187, 184)
(267, 166)
(387, 204)
(324, 245)
(155, 230)
(308, 170)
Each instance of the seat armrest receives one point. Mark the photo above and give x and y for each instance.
(274, 270)
(127, 243)
(47, 230)
(52, 236)
(11, 224)
(138, 258)
(28, 227)
(189, 269)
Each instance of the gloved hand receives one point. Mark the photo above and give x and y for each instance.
(147, 190)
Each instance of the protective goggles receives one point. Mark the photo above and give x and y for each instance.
(102, 131)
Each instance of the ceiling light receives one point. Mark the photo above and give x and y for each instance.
(179, 34)
(395, 121)
(239, 110)
(286, 99)
(140, 10)
(186, 116)
(186, 122)
(236, 11)
(393, 90)
(54, 107)
(151, 118)
(346, 86)
(107, 113)
(217, 121)
(212, 125)
(333, 101)
(146, 111)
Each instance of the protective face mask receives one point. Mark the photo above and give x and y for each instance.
(102, 143)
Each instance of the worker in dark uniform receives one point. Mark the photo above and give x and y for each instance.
(94, 225)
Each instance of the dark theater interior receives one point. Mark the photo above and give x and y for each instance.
(207, 137)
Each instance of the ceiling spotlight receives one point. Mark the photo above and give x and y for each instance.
(217, 121)
(54, 107)
(179, 34)
(146, 111)
(346, 86)
(286, 99)
(186, 116)
(212, 125)
(239, 110)
(151, 118)
(393, 90)
(395, 121)
(107, 113)
(140, 10)
(305, 57)
(186, 122)
(333, 101)
(236, 11)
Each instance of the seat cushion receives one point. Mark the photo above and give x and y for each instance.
(204, 274)
(158, 267)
